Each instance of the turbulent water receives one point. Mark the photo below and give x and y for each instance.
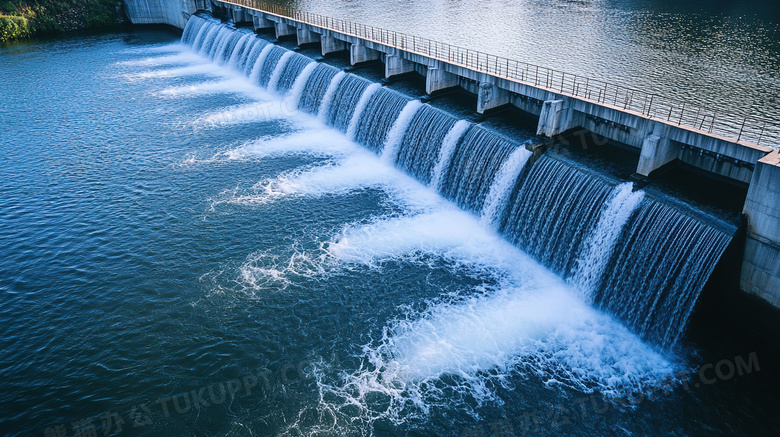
(232, 239)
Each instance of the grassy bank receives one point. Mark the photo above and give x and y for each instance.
(25, 18)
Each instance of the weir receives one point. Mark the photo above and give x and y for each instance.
(636, 257)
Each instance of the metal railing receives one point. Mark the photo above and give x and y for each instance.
(733, 126)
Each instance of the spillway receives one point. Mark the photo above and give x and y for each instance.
(631, 255)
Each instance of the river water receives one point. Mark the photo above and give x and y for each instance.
(185, 252)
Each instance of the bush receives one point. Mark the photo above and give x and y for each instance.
(24, 18)
(7, 7)
(12, 27)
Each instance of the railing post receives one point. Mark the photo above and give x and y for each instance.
(741, 128)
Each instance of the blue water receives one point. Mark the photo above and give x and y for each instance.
(183, 253)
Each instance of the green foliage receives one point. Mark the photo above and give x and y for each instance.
(25, 18)
(12, 27)
(7, 7)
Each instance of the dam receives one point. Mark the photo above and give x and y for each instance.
(664, 131)
(236, 218)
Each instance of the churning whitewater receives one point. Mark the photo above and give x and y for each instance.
(563, 260)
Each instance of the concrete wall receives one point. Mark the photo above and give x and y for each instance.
(761, 267)
(172, 12)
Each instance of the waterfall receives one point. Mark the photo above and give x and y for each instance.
(193, 31)
(378, 117)
(239, 52)
(257, 68)
(358, 111)
(258, 45)
(628, 253)
(293, 68)
(315, 88)
(296, 92)
(278, 69)
(208, 40)
(600, 244)
(635, 257)
(338, 112)
(498, 196)
(269, 64)
(660, 264)
(419, 148)
(556, 206)
(200, 36)
(330, 92)
(395, 135)
(445, 155)
(476, 158)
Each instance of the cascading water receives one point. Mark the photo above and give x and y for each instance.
(259, 65)
(299, 86)
(314, 90)
(278, 71)
(343, 103)
(246, 65)
(598, 248)
(378, 117)
(396, 133)
(292, 69)
(476, 158)
(661, 262)
(556, 207)
(269, 65)
(359, 108)
(639, 259)
(502, 185)
(636, 258)
(447, 149)
(240, 51)
(419, 148)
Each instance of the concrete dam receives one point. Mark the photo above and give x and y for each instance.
(628, 251)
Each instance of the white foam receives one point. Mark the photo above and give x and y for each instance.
(258, 67)
(162, 48)
(397, 131)
(190, 70)
(185, 57)
(361, 105)
(329, 93)
(598, 248)
(273, 82)
(300, 83)
(529, 323)
(237, 85)
(316, 142)
(445, 153)
(502, 185)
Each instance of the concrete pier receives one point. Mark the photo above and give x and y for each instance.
(761, 267)
(359, 53)
(307, 37)
(490, 96)
(331, 45)
(437, 79)
(555, 118)
(657, 150)
(282, 30)
(396, 65)
(659, 138)
(259, 21)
